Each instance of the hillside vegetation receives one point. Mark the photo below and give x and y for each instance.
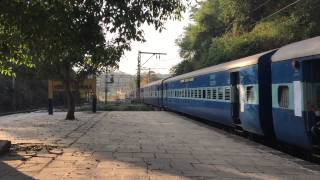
(225, 30)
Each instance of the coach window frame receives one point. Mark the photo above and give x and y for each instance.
(283, 96)
(227, 89)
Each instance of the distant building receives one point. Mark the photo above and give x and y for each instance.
(123, 84)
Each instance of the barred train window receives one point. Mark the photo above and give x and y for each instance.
(204, 95)
(214, 93)
(227, 93)
(250, 94)
(283, 96)
(208, 93)
(199, 93)
(220, 93)
(192, 93)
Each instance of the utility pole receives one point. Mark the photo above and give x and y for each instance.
(149, 75)
(157, 54)
(108, 81)
(13, 84)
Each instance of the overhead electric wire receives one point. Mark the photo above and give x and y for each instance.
(278, 11)
(282, 9)
(147, 60)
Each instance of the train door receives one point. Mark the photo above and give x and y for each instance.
(166, 94)
(235, 111)
(311, 77)
(159, 95)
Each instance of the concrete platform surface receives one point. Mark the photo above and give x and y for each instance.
(137, 145)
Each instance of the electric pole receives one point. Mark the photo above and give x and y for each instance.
(108, 81)
(157, 54)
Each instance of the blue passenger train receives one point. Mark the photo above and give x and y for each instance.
(275, 94)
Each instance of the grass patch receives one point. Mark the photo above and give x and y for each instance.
(118, 107)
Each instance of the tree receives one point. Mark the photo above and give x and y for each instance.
(225, 30)
(73, 39)
(149, 77)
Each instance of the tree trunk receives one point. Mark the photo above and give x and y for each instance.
(69, 94)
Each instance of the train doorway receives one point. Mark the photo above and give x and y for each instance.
(235, 84)
(311, 89)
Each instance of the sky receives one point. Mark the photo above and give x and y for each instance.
(163, 42)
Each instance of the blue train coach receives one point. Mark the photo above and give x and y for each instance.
(296, 92)
(152, 93)
(236, 94)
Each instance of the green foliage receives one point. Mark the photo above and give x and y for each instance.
(70, 40)
(61, 35)
(224, 30)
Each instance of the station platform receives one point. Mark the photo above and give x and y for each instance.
(137, 145)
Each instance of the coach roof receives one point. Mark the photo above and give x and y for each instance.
(247, 61)
(153, 83)
(309, 47)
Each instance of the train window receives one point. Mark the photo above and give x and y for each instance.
(220, 93)
(204, 94)
(283, 96)
(250, 94)
(195, 93)
(191, 93)
(209, 94)
(214, 93)
(227, 93)
(199, 93)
